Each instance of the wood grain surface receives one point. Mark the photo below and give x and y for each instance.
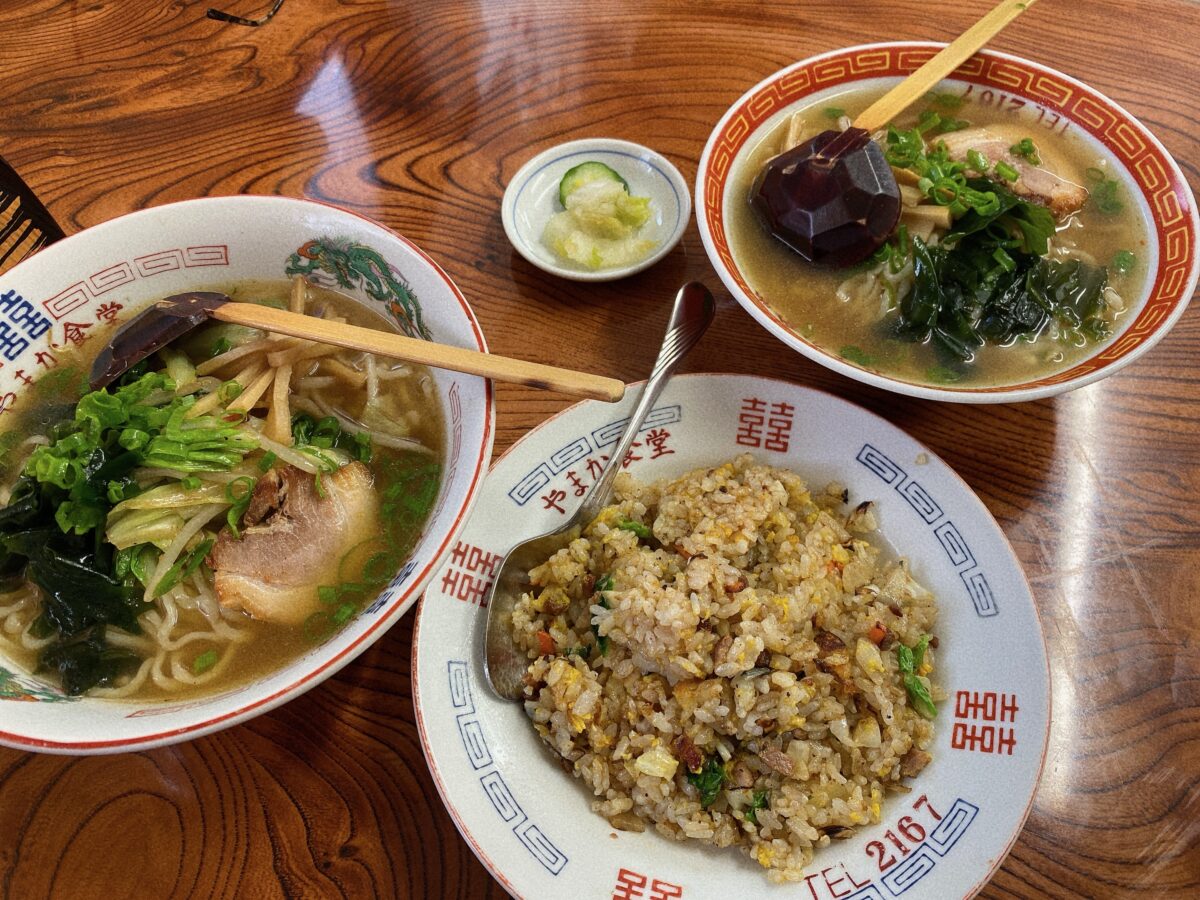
(417, 114)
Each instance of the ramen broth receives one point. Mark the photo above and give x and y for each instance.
(827, 308)
(406, 479)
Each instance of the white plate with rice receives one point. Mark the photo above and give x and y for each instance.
(731, 672)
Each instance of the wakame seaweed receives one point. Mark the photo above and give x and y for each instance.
(988, 281)
(86, 660)
(81, 596)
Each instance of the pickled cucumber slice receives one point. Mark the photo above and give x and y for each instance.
(586, 173)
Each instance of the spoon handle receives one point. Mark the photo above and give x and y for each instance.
(693, 312)
(958, 51)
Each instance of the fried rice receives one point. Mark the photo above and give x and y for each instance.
(727, 657)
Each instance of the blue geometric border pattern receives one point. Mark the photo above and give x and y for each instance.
(925, 856)
(527, 488)
(387, 594)
(559, 461)
(494, 787)
(948, 536)
(870, 892)
(658, 417)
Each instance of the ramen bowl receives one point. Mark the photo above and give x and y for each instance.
(1046, 104)
(60, 307)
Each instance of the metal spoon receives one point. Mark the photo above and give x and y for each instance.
(503, 664)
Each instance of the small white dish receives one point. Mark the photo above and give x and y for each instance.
(532, 198)
(530, 822)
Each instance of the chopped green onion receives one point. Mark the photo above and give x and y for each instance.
(133, 438)
(326, 434)
(639, 529)
(1123, 261)
(1007, 263)
(1105, 197)
(918, 694)
(758, 800)
(946, 192)
(928, 120)
(221, 345)
(191, 483)
(204, 662)
(978, 162)
(239, 489)
(919, 651)
(228, 391)
(602, 640)
(1092, 173)
(948, 125)
(942, 374)
(1026, 149)
(183, 568)
(1007, 172)
(267, 461)
(909, 661)
(856, 355)
(708, 781)
(834, 112)
(343, 613)
(946, 101)
(240, 502)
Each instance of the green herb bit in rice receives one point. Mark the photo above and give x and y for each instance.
(642, 531)
(758, 800)
(708, 781)
(603, 583)
(910, 662)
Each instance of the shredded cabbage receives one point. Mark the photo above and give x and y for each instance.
(598, 229)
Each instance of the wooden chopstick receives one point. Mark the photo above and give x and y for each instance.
(949, 58)
(441, 356)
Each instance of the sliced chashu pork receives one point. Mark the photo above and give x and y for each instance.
(293, 541)
(1035, 182)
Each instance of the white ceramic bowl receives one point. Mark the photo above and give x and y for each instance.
(69, 296)
(531, 823)
(531, 198)
(1049, 100)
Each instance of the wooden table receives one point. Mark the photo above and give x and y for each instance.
(417, 114)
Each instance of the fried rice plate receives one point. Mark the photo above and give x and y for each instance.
(727, 657)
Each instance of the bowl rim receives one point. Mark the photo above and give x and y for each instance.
(389, 615)
(516, 185)
(459, 819)
(1045, 386)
